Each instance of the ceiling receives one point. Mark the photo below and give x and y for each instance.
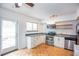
(45, 10)
(48, 9)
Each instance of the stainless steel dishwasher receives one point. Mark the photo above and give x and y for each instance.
(69, 43)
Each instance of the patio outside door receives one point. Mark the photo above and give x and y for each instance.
(8, 36)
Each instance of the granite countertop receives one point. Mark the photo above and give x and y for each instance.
(59, 35)
(66, 35)
(28, 34)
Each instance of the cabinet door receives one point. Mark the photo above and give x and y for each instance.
(61, 42)
(56, 42)
(76, 50)
(34, 41)
(29, 42)
(41, 39)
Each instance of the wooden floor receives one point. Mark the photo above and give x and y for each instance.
(42, 50)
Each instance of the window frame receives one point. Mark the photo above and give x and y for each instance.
(32, 27)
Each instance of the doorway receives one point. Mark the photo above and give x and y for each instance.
(8, 38)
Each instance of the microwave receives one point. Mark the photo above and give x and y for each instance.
(51, 26)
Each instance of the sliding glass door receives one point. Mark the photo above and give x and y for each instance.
(8, 36)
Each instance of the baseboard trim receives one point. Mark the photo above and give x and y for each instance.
(9, 52)
(68, 49)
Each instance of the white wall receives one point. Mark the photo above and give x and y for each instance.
(68, 31)
(68, 18)
(77, 14)
(21, 19)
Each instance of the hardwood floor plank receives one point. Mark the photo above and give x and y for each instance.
(42, 50)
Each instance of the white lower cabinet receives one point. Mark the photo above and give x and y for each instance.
(34, 41)
(28, 38)
(56, 42)
(76, 50)
(62, 41)
(31, 41)
(59, 41)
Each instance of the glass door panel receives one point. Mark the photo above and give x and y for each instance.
(8, 36)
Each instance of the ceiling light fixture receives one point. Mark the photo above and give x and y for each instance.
(53, 16)
(18, 5)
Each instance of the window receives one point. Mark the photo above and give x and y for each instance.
(31, 26)
(34, 26)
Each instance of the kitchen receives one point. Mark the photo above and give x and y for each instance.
(42, 24)
(64, 35)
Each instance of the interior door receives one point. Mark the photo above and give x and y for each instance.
(8, 36)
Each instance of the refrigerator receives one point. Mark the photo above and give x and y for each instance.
(77, 31)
